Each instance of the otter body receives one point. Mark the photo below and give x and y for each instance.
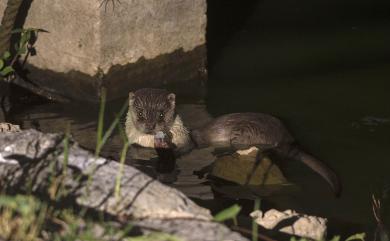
(151, 111)
(240, 130)
(243, 130)
(154, 110)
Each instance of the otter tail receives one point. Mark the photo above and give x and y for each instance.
(293, 152)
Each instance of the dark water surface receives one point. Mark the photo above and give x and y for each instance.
(324, 69)
(325, 73)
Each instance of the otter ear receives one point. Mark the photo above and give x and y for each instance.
(131, 98)
(172, 99)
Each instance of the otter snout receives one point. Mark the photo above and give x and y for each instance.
(150, 128)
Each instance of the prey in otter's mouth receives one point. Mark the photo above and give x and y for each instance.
(152, 111)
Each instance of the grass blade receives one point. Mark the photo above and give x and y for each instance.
(99, 134)
(255, 227)
(122, 162)
(228, 213)
(111, 129)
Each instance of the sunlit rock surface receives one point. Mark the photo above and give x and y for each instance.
(292, 223)
(8, 127)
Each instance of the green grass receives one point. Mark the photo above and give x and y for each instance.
(27, 218)
(122, 163)
(255, 227)
(101, 138)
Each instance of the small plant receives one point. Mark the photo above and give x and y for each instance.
(26, 38)
(28, 219)
(21, 217)
(228, 213)
(5, 69)
(23, 47)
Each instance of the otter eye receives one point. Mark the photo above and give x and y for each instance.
(161, 116)
(140, 114)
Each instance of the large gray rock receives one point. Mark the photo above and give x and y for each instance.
(136, 44)
(34, 161)
(140, 196)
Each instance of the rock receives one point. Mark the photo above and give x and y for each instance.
(211, 231)
(292, 223)
(8, 127)
(38, 159)
(238, 167)
(136, 44)
(36, 150)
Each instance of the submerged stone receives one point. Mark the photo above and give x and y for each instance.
(243, 169)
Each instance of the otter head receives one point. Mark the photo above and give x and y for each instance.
(152, 110)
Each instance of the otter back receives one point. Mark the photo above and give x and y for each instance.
(242, 130)
(239, 130)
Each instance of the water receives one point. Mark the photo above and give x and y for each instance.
(326, 75)
(323, 71)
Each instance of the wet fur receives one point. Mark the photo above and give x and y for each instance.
(243, 130)
(150, 111)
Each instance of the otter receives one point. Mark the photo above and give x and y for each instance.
(240, 131)
(152, 111)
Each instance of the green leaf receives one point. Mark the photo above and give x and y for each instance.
(229, 213)
(23, 39)
(335, 238)
(358, 236)
(16, 47)
(7, 70)
(1, 63)
(22, 50)
(28, 35)
(6, 55)
(17, 30)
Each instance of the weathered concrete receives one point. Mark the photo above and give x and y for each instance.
(137, 44)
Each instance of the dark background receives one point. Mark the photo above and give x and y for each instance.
(323, 67)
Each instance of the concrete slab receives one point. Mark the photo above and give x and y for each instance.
(148, 43)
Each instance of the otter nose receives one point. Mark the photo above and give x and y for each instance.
(150, 127)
